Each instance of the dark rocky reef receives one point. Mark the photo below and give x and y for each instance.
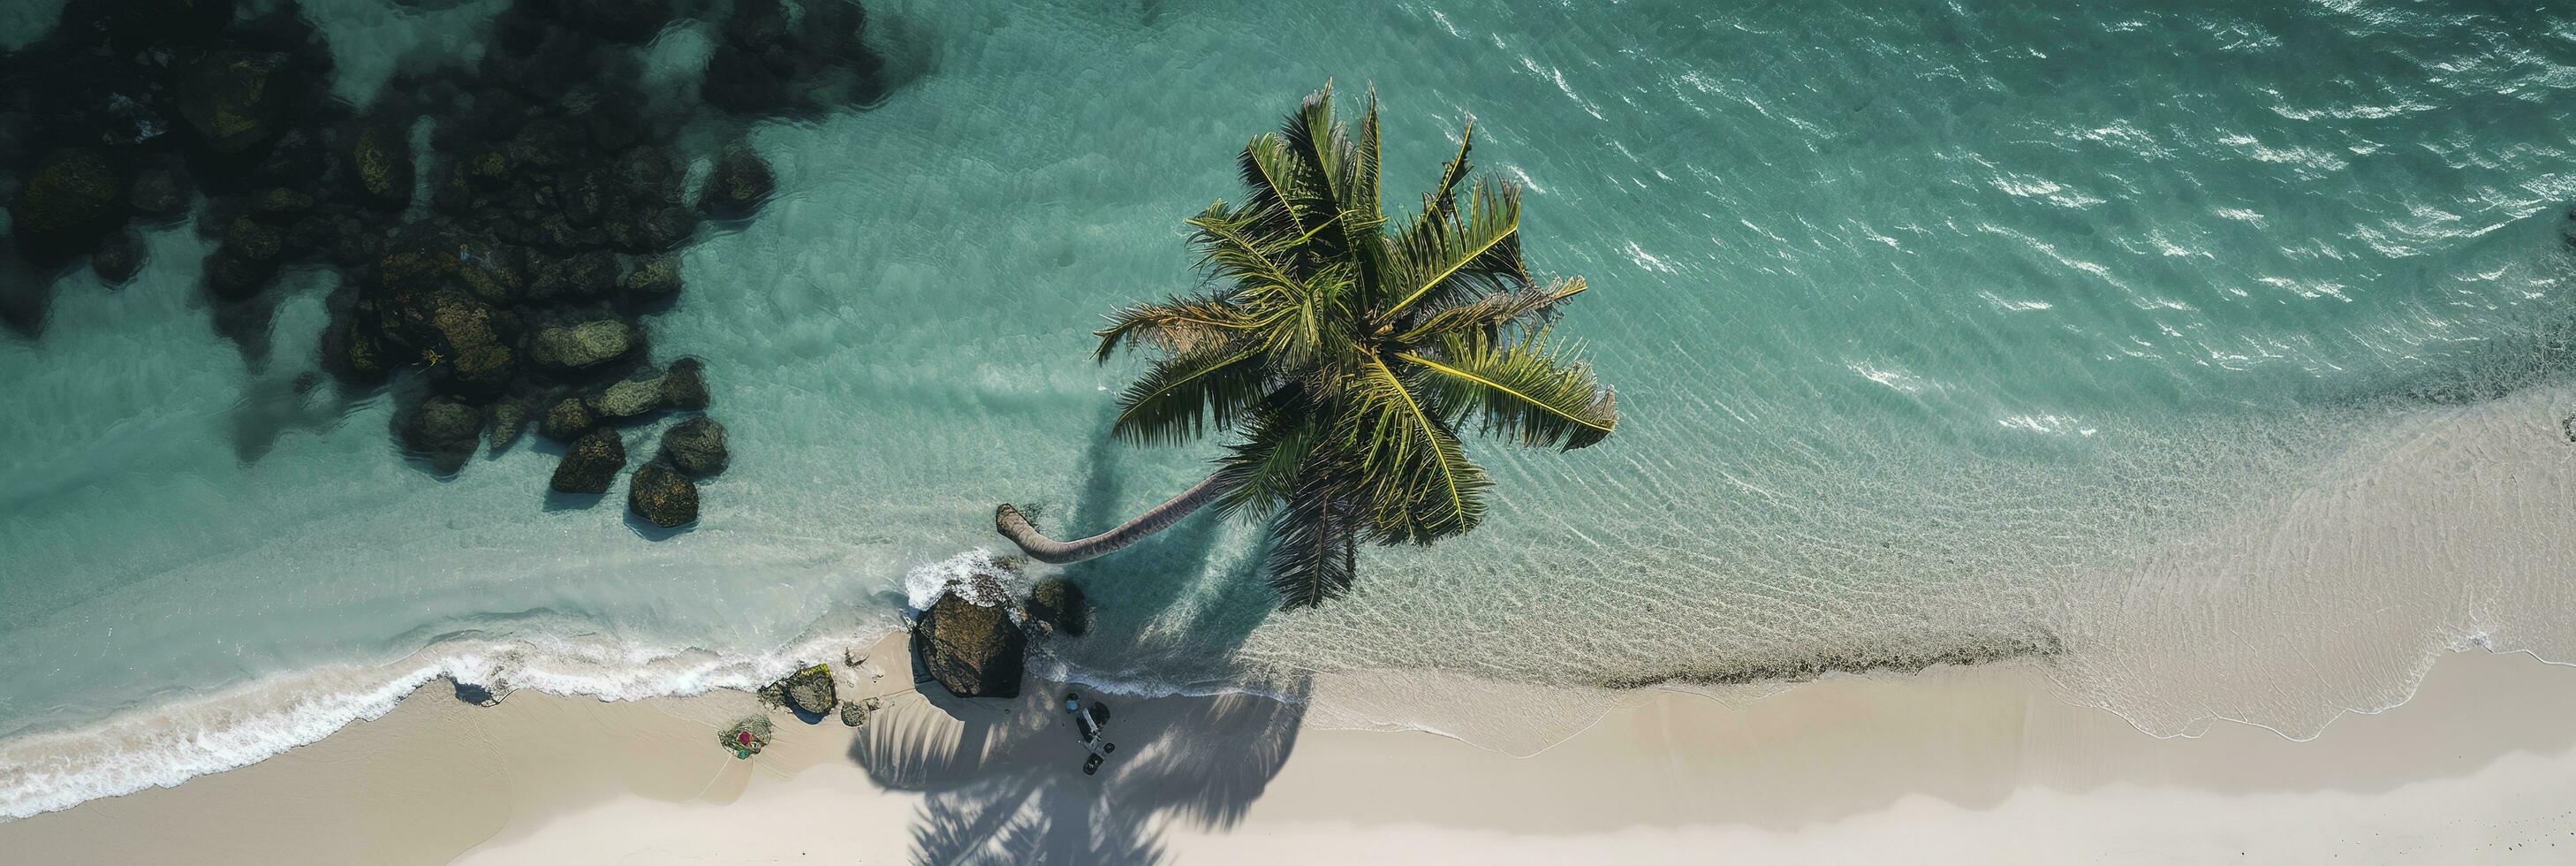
(502, 275)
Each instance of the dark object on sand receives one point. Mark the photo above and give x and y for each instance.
(1093, 727)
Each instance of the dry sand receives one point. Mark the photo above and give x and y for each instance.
(1977, 765)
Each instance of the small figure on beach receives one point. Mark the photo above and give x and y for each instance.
(1090, 725)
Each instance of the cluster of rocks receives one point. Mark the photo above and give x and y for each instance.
(517, 288)
(811, 691)
(980, 650)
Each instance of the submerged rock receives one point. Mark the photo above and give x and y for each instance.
(811, 690)
(629, 397)
(740, 183)
(118, 258)
(461, 339)
(685, 386)
(445, 430)
(158, 194)
(591, 464)
(654, 276)
(662, 496)
(509, 419)
(696, 447)
(569, 418)
(582, 345)
(381, 162)
(75, 198)
(974, 651)
(251, 240)
(236, 99)
(1060, 604)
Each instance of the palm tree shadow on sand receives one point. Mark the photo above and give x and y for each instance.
(1002, 778)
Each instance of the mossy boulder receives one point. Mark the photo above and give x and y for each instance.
(444, 430)
(630, 397)
(855, 713)
(974, 651)
(591, 464)
(158, 193)
(509, 419)
(253, 241)
(811, 690)
(236, 100)
(568, 419)
(461, 340)
(696, 447)
(740, 183)
(653, 277)
(119, 257)
(380, 160)
(662, 496)
(684, 387)
(75, 198)
(582, 345)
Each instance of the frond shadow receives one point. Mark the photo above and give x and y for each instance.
(1002, 779)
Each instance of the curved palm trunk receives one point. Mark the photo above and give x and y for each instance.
(1008, 521)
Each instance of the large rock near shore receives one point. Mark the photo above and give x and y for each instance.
(974, 651)
(811, 690)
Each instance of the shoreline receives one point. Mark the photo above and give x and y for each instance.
(1984, 758)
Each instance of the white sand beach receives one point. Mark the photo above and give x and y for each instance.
(1968, 765)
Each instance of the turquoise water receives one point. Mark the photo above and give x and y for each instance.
(1927, 323)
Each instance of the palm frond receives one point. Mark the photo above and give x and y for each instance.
(1473, 251)
(1314, 543)
(1418, 483)
(1444, 197)
(1520, 389)
(1487, 314)
(1260, 472)
(1174, 326)
(1361, 213)
(1275, 181)
(1234, 248)
(1183, 395)
(1309, 133)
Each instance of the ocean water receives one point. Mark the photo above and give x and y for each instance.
(2213, 357)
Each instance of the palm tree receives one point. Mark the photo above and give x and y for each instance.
(1343, 357)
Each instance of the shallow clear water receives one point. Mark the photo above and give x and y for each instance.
(1930, 325)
